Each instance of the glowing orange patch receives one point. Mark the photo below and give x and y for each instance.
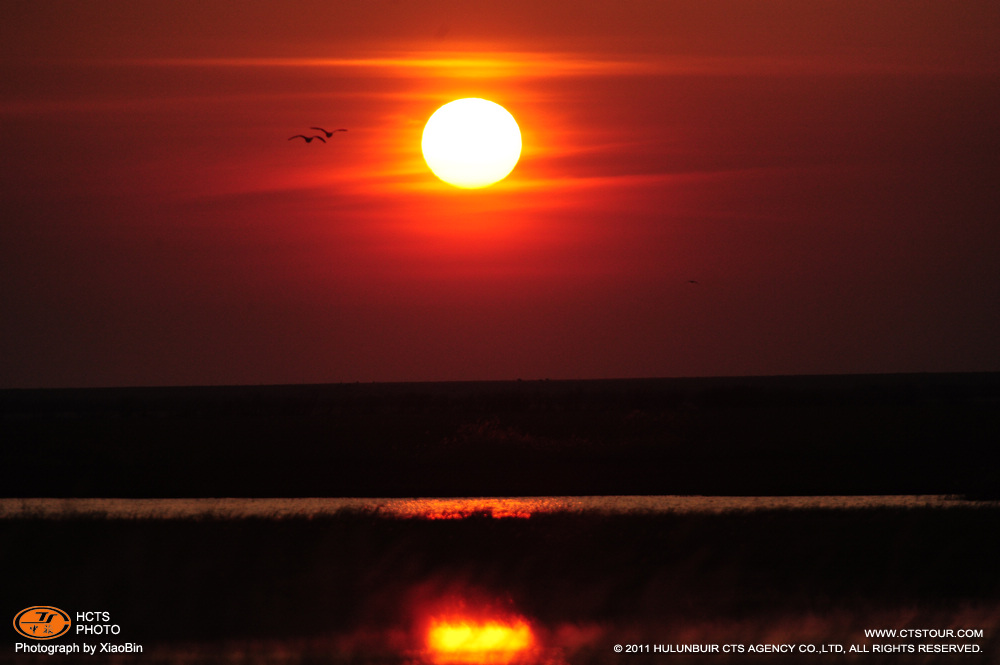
(457, 509)
(489, 642)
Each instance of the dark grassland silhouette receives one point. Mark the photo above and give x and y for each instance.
(905, 434)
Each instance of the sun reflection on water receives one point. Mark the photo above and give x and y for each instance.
(454, 640)
(455, 509)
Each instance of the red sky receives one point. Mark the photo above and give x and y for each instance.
(827, 172)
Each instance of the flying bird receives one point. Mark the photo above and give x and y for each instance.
(308, 138)
(328, 134)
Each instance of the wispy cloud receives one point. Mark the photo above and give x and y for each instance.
(450, 64)
(529, 65)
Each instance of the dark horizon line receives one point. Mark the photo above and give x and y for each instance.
(687, 379)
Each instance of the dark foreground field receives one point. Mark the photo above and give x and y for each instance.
(891, 434)
(357, 587)
(360, 587)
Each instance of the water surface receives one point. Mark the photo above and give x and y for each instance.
(454, 508)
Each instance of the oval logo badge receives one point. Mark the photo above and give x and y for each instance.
(41, 622)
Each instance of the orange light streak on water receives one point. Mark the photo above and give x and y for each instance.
(456, 509)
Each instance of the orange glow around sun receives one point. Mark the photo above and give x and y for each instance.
(456, 640)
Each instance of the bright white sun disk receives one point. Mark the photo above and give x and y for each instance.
(471, 143)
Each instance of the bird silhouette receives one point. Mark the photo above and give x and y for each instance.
(328, 134)
(308, 138)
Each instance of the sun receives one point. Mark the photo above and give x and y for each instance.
(471, 143)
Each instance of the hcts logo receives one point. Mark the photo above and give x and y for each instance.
(41, 622)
